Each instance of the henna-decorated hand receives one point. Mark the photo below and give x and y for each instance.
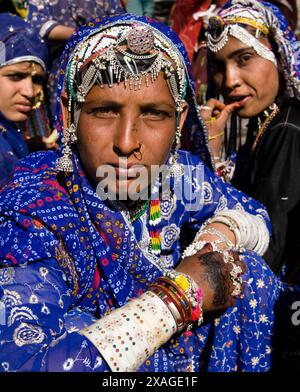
(212, 274)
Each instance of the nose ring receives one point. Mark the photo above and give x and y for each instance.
(236, 83)
(138, 154)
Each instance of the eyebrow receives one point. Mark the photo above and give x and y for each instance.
(22, 72)
(115, 104)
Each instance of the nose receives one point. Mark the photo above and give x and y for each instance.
(27, 88)
(232, 77)
(126, 138)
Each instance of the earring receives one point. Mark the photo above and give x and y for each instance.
(38, 104)
(33, 73)
(176, 169)
(65, 163)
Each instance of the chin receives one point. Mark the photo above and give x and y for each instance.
(18, 116)
(248, 112)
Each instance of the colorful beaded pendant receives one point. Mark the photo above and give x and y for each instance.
(154, 221)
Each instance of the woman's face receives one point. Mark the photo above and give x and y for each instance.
(21, 85)
(127, 130)
(240, 74)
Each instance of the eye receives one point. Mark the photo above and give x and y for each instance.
(15, 77)
(103, 111)
(244, 58)
(156, 114)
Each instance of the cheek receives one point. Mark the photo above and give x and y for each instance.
(7, 93)
(89, 146)
(266, 79)
(159, 141)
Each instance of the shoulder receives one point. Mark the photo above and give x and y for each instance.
(188, 158)
(34, 176)
(289, 117)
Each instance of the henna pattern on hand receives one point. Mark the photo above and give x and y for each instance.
(217, 276)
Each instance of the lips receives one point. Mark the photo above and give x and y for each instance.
(23, 107)
(241, 99)
(125, 171)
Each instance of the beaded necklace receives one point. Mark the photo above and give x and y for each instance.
(264, 125)
(138, 211)
(154, 221)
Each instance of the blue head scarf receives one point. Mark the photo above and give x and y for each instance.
(20, 42)
(195, 138)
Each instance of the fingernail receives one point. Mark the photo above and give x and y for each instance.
(208, 246)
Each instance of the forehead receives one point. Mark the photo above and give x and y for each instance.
(24, 67)
(234, 47)
(154, 92)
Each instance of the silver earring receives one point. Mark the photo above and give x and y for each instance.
(176, 169)
(65, 163)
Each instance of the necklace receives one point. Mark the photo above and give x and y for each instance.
(138, 211)
(265, 124)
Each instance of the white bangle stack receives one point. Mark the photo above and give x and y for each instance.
(130, 334)
(250, 230)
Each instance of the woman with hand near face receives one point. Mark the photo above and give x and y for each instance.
(254, 65)
(23, 60)
(99, 279)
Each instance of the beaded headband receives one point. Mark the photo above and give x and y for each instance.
(122, 51)
(229, 22)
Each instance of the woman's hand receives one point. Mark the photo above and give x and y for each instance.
(216, 114)
(212, 275)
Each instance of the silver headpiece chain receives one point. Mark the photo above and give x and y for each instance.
(128, 52)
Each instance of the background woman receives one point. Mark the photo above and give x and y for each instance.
(56, 21)
(254, 58)
(23, 59)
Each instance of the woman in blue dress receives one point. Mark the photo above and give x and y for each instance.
(56, 21)
(98, 271)
(23, 59)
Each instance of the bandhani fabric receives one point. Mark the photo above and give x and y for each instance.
(12, 148)
(68, 258)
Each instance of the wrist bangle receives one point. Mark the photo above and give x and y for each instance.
(215, 136)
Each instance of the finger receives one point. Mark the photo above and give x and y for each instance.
(206, 249)
(226, 112)
(238, 261)
(207, 110)
(216, 113)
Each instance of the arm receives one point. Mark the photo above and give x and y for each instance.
(221, 207)
(48, 27)
(60, 33)
(45, 331)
